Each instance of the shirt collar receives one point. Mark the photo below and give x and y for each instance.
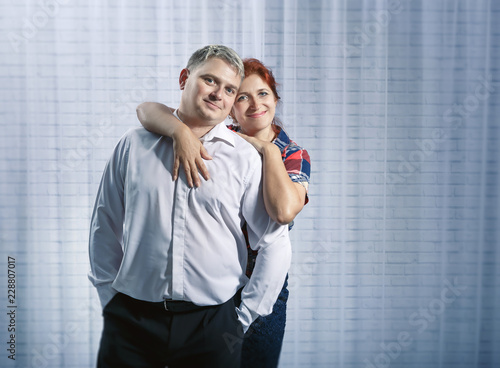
(218, 132)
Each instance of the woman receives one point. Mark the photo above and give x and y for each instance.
(286, 169)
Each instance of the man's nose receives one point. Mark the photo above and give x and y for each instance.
(216, 94)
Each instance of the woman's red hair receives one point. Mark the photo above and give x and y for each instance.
(254, 66)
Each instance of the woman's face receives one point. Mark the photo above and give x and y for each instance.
(254, 106)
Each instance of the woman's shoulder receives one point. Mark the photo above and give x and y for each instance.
(286, 144)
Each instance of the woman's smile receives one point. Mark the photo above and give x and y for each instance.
(257, 115)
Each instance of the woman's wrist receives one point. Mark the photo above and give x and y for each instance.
(179, 130)
(269, 148)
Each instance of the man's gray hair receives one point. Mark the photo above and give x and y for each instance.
(216, 51)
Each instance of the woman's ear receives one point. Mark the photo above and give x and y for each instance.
(183, 77)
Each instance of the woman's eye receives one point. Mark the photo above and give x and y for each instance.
(264, 93)
(242, 98)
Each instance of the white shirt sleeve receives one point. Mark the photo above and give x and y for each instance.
(106, 227)
(272, 242)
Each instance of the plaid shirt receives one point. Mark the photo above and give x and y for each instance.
(298, 165)
(296, 159)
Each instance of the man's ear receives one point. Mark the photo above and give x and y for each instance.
(183, 77)
(231, 114)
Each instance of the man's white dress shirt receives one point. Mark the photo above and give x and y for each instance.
(153, 238)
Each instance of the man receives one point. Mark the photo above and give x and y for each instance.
(169, 260)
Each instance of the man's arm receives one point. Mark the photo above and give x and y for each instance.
(272, 242)
(106, 227)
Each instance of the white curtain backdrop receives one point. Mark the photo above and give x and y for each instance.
(396, 256)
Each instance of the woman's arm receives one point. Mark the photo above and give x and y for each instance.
(189, 151)
(283, 198)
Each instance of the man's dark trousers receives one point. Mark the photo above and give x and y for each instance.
(141, 334)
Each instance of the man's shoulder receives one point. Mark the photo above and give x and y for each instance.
(138, 135)
(244, 148)
(138, 132)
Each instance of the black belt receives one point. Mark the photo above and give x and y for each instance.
(179, 306)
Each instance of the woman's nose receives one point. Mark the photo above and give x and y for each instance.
(254, 103)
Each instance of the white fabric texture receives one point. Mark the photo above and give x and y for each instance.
(153, 238)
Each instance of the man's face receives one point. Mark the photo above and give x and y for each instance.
(208, 92)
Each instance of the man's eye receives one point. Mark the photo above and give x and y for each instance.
(230, 91)
(209, 80)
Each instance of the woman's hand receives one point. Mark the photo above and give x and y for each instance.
(189, 152)
(259, 144)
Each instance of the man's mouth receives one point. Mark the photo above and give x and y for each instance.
(212, 105)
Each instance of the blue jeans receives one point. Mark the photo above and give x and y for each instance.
(263, 340)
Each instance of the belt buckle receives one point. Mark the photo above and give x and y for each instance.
(165, 304)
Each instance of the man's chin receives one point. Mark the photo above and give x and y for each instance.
(213, 118)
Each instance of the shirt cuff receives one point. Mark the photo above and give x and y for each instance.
(106, 293)
(246, 316)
